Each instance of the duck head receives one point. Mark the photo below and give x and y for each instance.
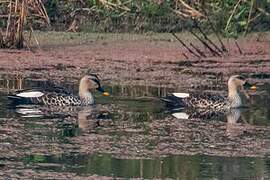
(89, 83)
(237, 82)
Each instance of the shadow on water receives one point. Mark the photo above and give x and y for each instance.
(133, 119)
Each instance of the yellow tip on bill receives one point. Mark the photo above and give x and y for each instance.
(253, 87)
(106, 94)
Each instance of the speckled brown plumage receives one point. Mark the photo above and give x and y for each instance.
(214, 102)
(60, 97)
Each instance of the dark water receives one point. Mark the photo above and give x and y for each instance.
(47, 140)
(179, 166)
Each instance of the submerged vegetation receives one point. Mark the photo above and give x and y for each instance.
(231, 17)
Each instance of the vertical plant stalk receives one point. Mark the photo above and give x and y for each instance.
(233, 12)
(1, 40)
(249, 16)
(16, 5)
(20, 25)
(215, 32)
(9, 18)
(238, 47)
(205, 44)
(32, 32)
(197, 50)
(206, 38)
(192, 52)
(43, 12)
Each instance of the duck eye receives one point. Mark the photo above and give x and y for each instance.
(96, 81)
(241, 78)
(95, 76)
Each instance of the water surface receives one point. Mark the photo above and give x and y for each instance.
(132, 135)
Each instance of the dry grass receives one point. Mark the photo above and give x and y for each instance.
(18, 16)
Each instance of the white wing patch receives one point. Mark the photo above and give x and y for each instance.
(28, 111)
(181, 95)
(181, 115)
(30, 94)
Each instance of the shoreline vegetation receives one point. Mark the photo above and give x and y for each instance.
(230, 19)
(60, 38)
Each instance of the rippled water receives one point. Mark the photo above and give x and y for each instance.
(131, 135)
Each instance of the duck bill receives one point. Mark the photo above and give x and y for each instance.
(105, 93)
(248, 86)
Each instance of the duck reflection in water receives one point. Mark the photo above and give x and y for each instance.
(235, 125)
(87, 118)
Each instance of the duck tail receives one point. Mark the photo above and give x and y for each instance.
(24, 97)
(16, 100)
(175, 100)
(14, 97)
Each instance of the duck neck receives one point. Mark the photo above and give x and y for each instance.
(86, 96)
(234, 98)
(233, 115)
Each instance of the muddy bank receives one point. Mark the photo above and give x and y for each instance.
(139, 60)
